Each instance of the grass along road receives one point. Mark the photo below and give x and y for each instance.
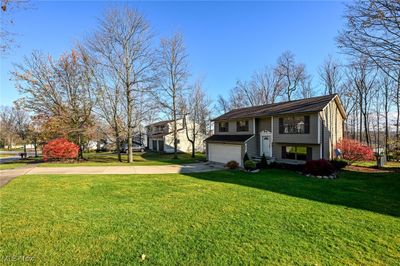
(111, 159)
(139, 158)
(273, 217)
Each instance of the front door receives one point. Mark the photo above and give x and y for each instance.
(154, 145)
(266, 145)
(161, 145)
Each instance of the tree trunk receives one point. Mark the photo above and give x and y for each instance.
(194, 139)
(175, 140)
(398, 109)
(35, 146)
(175, 127)
(25, 150)
(118, 142)
(360, 121)
(386, 121)
(80, 154)
(367, 136)
(129, 131)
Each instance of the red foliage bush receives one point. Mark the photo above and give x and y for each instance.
(232, 165)
(353, 151)
(319, 167)
(60, 149)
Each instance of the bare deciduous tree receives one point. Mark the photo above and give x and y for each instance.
(222, 105)
(109, 107)
(331, 75)
(8, 8)
(373, 30)
(7, 122)
(21, 124)
(197, 110)
(364, 78)
(173, 75)
(61, 89)
(290, 73)
(122, 43)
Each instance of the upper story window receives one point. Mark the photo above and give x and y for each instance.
(223, 126)
(294, 125)
(242, 125)
(159, 128)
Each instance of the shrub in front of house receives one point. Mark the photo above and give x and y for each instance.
(339, 163)
(353, 151)
(287, 166)
(263, 162)
(249, 165)
(232, 165)
(60, 149)
(245, 157)
(320, 167)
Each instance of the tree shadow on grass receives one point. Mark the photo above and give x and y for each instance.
(143, 157)
(376, 192)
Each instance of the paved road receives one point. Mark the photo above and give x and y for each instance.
(14, 156)
(7, 175)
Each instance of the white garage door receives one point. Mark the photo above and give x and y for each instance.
(223, 153)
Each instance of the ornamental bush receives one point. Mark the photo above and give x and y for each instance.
(319, 168)
(249, 165)
(245, 157)
(263, 162)
(353, 151)
(339, 163)
(60, 149)
(232, 165)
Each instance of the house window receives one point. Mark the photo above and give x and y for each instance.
(294, 125)
(223, 126)
(242, 125)
(297, 153)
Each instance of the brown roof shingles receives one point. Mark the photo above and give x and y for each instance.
(314, 104)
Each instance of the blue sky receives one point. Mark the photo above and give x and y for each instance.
(226, 41)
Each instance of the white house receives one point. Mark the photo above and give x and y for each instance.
(160, 137)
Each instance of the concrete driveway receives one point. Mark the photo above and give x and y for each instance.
(7, 175)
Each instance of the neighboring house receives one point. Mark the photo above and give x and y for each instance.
(160, 137)
(291, 132)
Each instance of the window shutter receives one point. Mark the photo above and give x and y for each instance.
(309, 153)
(283, 152)
(307, 124)
(280, 125)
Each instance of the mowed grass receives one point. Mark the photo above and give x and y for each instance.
(139, 158)
(275, 217)
(371, 164)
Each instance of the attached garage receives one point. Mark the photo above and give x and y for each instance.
(223, 153)
(225, 148)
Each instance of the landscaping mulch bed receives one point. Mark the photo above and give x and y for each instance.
(368, 169)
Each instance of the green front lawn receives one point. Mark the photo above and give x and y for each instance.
(217, 218)
(139, 158)
(372, 164)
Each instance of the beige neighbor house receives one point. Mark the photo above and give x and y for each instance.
(160, 137)
(291, 132)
